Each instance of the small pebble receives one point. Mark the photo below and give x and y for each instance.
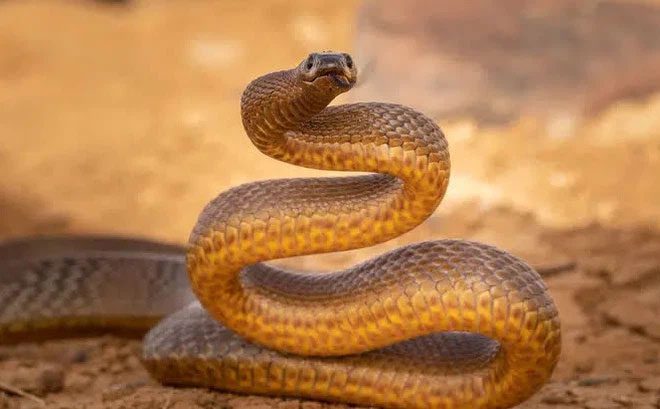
(51, 380)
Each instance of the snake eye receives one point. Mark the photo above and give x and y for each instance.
(310, 63)
(349, 61)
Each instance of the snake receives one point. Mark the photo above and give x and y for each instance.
(447, 323)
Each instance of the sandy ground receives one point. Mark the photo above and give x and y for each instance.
(608, 305)
(124, 120)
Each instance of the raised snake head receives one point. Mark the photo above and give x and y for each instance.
(328, 70)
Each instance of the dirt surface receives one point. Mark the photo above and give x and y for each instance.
(123, 119)
(608, 305)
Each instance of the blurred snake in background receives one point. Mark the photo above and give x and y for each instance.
(437, 324)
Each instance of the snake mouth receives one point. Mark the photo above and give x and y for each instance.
(340, 80)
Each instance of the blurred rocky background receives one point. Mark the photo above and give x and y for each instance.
(122, 117)
(552, 106)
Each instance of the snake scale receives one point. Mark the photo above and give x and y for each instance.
(438, 324)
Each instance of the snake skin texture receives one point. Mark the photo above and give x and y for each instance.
(438, 324)
(68, 286)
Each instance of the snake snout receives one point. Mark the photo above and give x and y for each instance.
(337, 67)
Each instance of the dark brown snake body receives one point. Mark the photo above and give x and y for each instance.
(441, 324)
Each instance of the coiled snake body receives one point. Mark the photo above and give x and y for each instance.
(440, 324)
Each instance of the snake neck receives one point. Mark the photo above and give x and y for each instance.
(275, 104)
(291, 121)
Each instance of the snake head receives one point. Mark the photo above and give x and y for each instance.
(328, 70)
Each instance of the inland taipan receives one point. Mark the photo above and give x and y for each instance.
(437, 324)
